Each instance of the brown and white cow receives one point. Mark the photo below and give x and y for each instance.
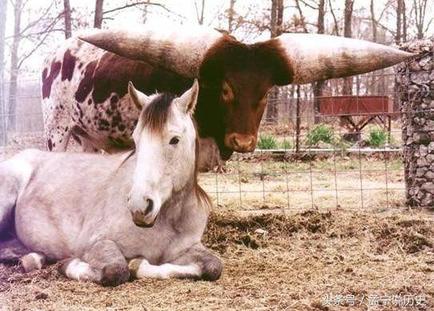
(84, 86)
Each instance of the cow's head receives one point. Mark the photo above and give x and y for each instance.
(235, 77)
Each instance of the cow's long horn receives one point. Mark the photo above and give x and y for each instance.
(314, 57)
(181, 51)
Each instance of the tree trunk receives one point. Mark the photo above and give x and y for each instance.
(398, 22)
(374, 22)
(200, 13)
(404, 22)
(67, 18)
(231, 16)
(13, 80)
(419, 8)
(3, 132)
(348, 82)
(99, 5)
(318, 86)
(277, 8)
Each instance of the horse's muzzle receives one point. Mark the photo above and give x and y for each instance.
(141, 220)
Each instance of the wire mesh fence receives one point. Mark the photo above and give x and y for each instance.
(304, 158)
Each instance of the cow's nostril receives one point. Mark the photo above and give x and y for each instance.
(149, 205)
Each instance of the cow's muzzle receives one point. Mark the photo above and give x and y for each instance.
(240, 142)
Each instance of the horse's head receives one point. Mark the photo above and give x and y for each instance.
(165, 139)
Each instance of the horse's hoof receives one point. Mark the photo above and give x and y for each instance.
(32, 261)
(212, 269)
(114, 275)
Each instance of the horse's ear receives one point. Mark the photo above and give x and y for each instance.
(138, 98)
(187, 102)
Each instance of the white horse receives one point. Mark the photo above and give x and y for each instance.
(97, 212)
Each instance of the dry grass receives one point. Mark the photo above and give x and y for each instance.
(297, 256)
(357, 182)
(291, 264)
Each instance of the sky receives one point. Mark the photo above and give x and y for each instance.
(179, 12)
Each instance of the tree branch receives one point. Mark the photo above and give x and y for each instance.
(47, 32)
(135, 4)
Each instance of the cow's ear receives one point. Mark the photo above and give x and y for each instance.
(139, 99)
(187, 101)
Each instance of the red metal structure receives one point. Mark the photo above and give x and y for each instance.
(367, 108)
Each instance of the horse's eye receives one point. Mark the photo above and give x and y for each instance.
(174, 141)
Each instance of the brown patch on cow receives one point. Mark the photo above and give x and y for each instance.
(68, 65)
(228, 54)
(47, 79)
(50, 144)
(86, 84)
(113, 72)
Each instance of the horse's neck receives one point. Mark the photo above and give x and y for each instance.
(184, 210)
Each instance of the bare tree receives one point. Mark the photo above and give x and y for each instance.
(200, 11)
(419, 7)
(373, 21)
(231, 13)
(300, 12)
(37, 31)
(13, 79)
(398, 22)
(348, 17)
(335, 20)
(98, 17)
(3, 132)
(276, 23)
(67, 18)
(101, 14)
(318, 86)
(404, 21)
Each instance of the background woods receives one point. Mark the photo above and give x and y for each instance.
(29, 31)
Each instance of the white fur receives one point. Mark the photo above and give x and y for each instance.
(37, 259)
(166, 271)
(32, 261)
(22, 167)
(79, 270)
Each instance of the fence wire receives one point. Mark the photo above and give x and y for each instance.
(292, 168)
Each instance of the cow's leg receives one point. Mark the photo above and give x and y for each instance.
(82, 138)
(87, 146)
(57, 136)
(103, 263)
(196, 263)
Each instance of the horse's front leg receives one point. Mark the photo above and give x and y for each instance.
(103, 263)
(196, 262)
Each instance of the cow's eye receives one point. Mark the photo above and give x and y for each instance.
(174, 140)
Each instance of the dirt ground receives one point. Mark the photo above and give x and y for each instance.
(272, 262)
(328, 233)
